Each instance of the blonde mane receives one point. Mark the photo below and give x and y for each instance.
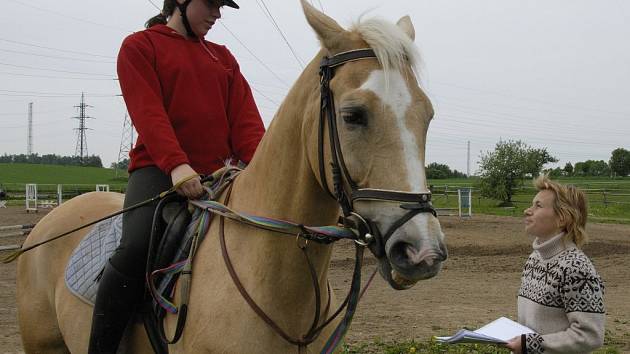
(392, 46)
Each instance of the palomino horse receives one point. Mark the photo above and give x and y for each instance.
(381, 122)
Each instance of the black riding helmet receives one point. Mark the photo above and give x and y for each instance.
(182, 9)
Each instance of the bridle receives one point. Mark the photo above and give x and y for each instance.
(369, 233)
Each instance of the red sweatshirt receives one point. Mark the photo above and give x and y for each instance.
(188, 104)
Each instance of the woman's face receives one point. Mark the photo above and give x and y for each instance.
(202, 14)
(540, 219)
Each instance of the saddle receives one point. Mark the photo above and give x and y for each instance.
(171, 231)
(88, 259)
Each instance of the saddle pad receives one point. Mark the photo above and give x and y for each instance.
(88, 259)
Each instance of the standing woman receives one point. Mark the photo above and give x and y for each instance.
(561, 294)
(193, 110)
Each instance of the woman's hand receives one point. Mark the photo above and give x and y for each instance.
(514, 345)
(190, 189)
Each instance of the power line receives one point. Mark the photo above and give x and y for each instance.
(540, 123)
(53, 70)
(57, 121)
(57, 77)
(154, 5)
(244, 46)
(530, 99)
(320, 4)
(265, 96)
(254, 55)
(554, 136)
(56, 49)
(518, 108)
(56, 94)
(21, 113)
(275, 24)
(56, 57)
(70, 17)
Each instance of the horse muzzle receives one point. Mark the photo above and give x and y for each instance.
(408, 262)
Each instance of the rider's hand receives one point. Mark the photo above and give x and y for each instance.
(190, 189)
(514, 344)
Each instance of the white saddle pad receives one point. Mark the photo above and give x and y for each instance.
(88, 259)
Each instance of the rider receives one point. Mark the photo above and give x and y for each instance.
(193, 110)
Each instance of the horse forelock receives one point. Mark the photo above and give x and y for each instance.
(394, 49)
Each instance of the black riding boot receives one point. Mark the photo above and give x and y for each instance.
(116, 300)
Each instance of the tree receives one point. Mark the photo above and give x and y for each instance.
(592, 168)
(52, 159)
(438, 171)
(620, 162)
(568, 169)
(536, 159)
(503, 169)
(122, 165)
(555, 172)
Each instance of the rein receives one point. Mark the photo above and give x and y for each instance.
(356, 227)
(351, 301)
(13, 256)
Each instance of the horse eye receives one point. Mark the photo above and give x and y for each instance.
(354, 116)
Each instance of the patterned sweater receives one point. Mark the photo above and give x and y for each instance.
(561, 298)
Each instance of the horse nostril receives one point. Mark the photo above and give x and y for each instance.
(399, 254)
(405, 255)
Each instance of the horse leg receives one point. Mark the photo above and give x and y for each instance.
(36, 315)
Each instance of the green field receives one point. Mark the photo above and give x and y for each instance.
(75, 180)
(18, 173)
(609, 199)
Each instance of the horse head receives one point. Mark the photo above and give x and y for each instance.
(373, 119)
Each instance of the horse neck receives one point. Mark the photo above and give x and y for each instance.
(280, 183)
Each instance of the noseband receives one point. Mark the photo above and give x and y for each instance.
(369, 233)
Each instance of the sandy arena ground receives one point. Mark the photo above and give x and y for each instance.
(478, 283)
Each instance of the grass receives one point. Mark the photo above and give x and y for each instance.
(75, 180)
(18, 173)
(609, 199)
(429, 346)
(432, 347)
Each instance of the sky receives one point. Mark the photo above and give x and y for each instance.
(554, 74)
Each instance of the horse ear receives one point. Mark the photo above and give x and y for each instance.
(326, 28)
(405, 24)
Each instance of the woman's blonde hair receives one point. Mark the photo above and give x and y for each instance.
(570, 205)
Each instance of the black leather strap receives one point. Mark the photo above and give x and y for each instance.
(345, 57)
(378, 194)
(345, 190)
(182, 9)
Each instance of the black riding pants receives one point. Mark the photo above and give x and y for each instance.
(131, 256)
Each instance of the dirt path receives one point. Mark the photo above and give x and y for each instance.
(478, 283)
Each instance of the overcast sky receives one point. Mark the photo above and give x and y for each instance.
(551, 73)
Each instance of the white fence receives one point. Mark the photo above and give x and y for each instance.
(38, 196)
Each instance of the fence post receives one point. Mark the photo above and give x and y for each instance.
(605, 201)
(31, 197)
(59, 194)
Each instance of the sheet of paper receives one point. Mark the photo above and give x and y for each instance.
(498, 331)
(504, 329)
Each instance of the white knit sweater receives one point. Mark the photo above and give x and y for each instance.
(561, 298)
